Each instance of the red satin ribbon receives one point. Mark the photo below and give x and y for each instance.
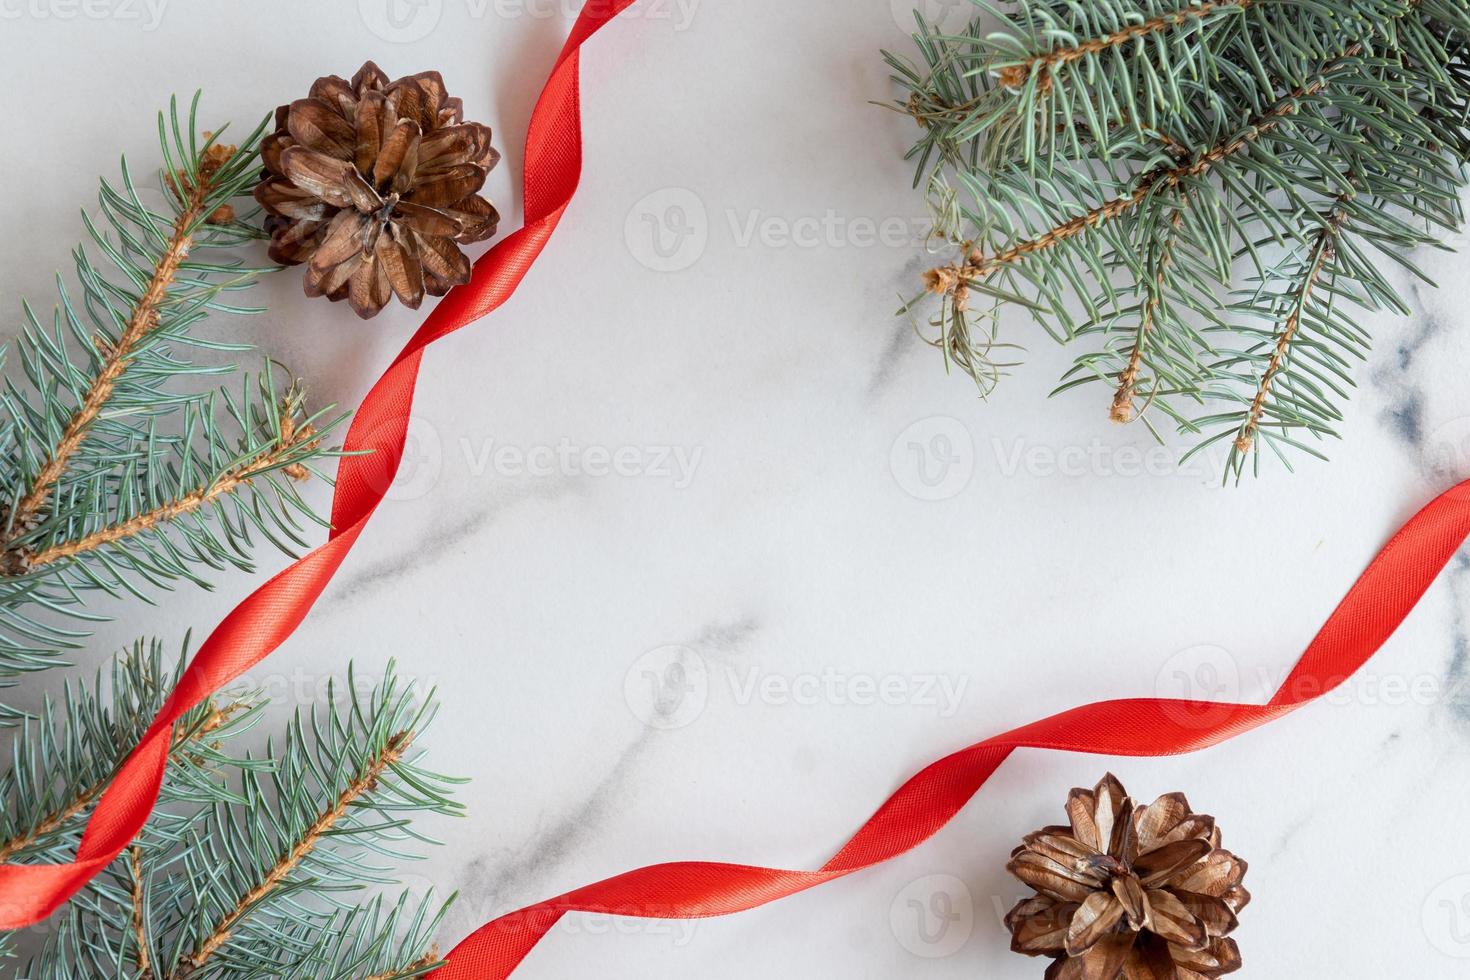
(1366, 617)
(553, 163)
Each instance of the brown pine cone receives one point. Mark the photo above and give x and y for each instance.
(1141, 893)
(373, 184)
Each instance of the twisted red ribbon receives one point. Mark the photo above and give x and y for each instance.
(1371, 611)
(1366, 617)
(553, 163)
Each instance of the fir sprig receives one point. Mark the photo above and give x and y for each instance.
(125, 468)
(265, 879)
(119, 470)
(62, 760)
(337, 793)
(1198, 193)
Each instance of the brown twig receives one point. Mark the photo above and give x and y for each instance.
(286, 863)
(1325, 248)
(140, 935)
(1122, 408)
(429, 958)
(89, 794)
(117, 357)
(228, 482)
(945, 279)
(1046, 64)
(56, 819)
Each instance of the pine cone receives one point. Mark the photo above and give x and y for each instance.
(1142, 893)
(373, 185)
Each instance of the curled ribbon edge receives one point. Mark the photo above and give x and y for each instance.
(1378, 602)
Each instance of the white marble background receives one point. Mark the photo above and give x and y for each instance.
(752, 378)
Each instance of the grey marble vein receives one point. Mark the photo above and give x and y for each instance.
(365, 577)
(512, 879)
(1457, 677)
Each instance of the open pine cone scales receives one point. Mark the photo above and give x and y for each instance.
(1127, 891)
(374, 185)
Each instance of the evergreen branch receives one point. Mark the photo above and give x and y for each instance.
(376, 941)
(116, 356)
(64, 761)
(241, 883)
(1108, 115)
(363, 782)
(284, 457)
(250, 862)
(116, 472)
(125, 522)
(417, 968)
(1044, 64)
(1122, 408)
(81, 799)
(55, 820)
(1108, 76)
(1321, 253)
(943, 280)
